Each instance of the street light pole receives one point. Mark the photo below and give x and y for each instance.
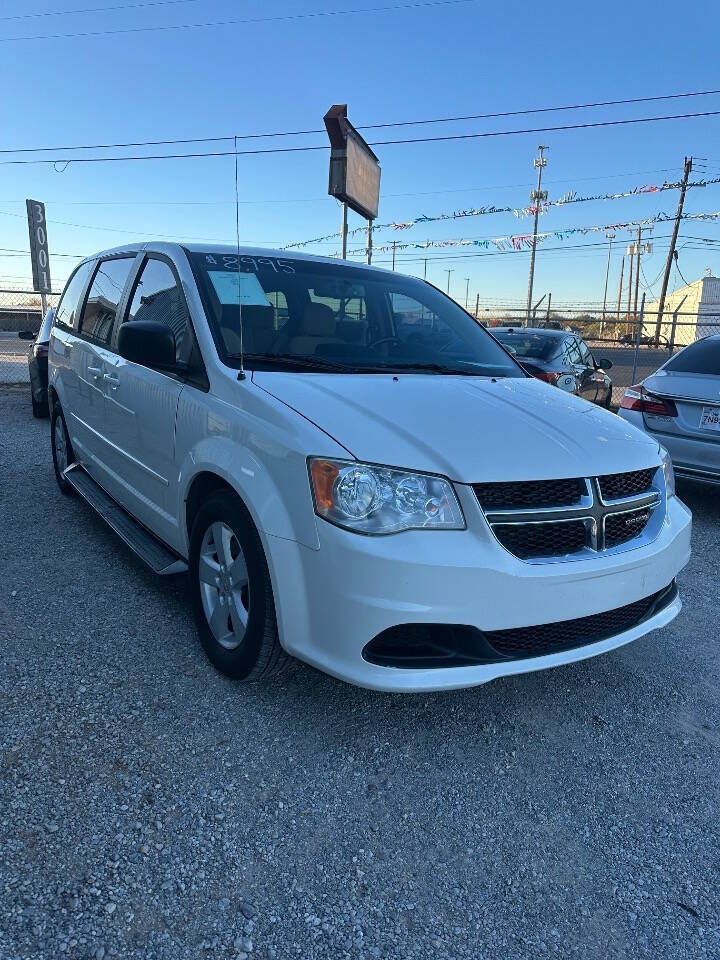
(537, 197)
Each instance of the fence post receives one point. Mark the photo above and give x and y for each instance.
(637, 339)
(671, 344)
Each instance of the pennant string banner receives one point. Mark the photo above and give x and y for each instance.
(520, 212)
(525, 241)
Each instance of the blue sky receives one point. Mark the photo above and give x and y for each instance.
(467, 58)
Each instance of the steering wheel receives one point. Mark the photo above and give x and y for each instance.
(377, 343)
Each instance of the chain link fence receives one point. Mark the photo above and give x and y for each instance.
(636, 346)
(20, 311)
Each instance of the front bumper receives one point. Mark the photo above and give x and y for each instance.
(333, 601)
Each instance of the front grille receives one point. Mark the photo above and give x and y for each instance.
(556, 637)
(621, 527)
(530, 493)
(545, 520)
(614, 486)
(542, 539)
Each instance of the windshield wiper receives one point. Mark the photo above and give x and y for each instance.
(285, 360)
(421, 367)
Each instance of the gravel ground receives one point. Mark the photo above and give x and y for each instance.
(14, 360)
(151, 808)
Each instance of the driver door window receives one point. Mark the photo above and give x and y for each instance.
(158, 297)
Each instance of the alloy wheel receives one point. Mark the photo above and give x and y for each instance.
(224, 585)
(60, 441)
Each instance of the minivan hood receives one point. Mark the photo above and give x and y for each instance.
(470, 429)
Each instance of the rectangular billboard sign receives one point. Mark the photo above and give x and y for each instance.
(354, 168)
(39, 256)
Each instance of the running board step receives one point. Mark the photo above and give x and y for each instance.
(155, 554)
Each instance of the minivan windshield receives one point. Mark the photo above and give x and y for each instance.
(311, 316)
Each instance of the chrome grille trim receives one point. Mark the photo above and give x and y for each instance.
(593, 511)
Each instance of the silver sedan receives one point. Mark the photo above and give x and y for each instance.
(679, 404)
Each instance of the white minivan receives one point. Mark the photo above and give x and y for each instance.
(353, 471)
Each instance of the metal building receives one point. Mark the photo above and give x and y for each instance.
(691, 312)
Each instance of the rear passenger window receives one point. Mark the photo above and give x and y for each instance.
(103, 298)
(67, 310)
(573, 351)
(158, 297)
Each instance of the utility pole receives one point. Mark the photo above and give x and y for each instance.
(477, 306)
(369, 241)
(637, 272)
(467, 291)
(344, 231)
(673, 241)
(425, 271)
(537, 197)
(394, 243)
(610, 237)
(622, 271)
(547, 313)
(448, 272)
(631, 254)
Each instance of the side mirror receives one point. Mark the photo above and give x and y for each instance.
(148, 343)
(26, 335)
(604, 363)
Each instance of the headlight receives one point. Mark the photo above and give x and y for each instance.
(668, 472)
(370, 499)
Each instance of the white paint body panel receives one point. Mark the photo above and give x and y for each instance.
(335, 590)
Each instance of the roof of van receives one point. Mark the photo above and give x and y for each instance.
(231, 250)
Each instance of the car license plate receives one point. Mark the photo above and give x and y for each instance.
(710, 418)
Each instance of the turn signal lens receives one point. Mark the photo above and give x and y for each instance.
(371, 499)
(323, 474)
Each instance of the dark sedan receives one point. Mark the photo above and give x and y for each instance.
(560, 358)
(38, 364)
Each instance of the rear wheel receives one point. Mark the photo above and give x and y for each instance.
(62, 451)
(231, 592)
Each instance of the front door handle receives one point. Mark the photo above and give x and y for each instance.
(113, 381)
(96, 372)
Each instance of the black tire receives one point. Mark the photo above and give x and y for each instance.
(57, 422)
(259, 655)
(40, 410)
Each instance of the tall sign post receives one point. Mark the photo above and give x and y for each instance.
(39, 256)
(354, 172)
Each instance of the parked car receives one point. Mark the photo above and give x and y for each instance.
(679, 405)
(353, 471)
(560, 358)
(38, 364)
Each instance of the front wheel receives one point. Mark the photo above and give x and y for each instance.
(62, 451)
(231, 592)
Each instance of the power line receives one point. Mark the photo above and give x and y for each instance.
(65, 13)
(377, 143)
(520, 113)
(417, 5)
(371, 126)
